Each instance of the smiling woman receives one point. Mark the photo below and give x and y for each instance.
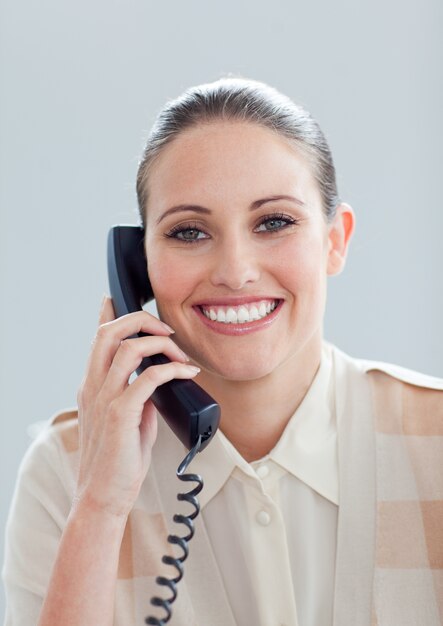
(326, 468)
(247, 227)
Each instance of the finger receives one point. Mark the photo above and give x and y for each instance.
(129, 356)
(148, 430)
(107, 313)
(108, 339)
(129, 406)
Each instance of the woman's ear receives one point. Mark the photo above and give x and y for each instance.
(339, 235)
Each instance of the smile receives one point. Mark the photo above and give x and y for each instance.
(242, 314)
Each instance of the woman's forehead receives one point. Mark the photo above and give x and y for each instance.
(217, 139)
(222, 160)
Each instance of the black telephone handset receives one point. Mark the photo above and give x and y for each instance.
(187, 408)
(190, 412)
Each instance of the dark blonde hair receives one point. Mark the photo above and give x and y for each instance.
(242, 100)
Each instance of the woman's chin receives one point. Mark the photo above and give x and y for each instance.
(236, 372)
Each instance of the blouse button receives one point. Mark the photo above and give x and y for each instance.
(262, 471)
(263, 518)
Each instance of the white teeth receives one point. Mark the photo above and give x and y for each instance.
(242, 314)
(254, 314)
(231, 316)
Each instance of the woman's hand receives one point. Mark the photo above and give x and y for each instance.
(117, 420)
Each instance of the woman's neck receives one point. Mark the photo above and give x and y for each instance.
(254, 413)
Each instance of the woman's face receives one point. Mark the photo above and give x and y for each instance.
(238, 249)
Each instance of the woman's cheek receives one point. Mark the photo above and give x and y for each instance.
(300, 263)
(172, 284)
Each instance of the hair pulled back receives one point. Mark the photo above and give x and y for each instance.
(238, 99)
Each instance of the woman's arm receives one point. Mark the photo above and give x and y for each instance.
(117, 429)
(82, 585)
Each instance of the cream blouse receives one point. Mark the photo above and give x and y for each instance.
(269, 527)
(272, 524)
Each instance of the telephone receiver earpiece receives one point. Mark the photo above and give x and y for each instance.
(188, 410)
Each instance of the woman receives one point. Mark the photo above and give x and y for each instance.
(323, 488)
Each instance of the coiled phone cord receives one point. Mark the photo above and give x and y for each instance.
(187, 520)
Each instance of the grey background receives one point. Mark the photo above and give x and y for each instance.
(81, 83)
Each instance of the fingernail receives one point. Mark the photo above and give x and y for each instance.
(194, 368)
(102, 305)
(168, 328)
(185, 356)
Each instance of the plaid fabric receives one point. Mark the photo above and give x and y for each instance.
(408, 581)
(390, 560)
(389, 563)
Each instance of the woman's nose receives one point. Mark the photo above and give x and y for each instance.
(235, 266)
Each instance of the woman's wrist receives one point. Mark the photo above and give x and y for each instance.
(83, 581)
(85, 508)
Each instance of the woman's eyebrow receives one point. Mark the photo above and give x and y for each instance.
(196, 208)
(258, 203)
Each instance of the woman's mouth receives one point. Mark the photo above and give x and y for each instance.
(241, 318)
(241, 314)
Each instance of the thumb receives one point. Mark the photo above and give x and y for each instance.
(107, 313)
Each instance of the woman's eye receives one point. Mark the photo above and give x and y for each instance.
(274, 223)
(188, 234)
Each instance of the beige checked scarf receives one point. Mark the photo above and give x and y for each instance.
(389, 564)
(390, 538)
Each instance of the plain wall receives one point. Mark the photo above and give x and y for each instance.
(81, 83)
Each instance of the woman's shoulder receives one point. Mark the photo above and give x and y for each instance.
(404, 401)
(53, 450)
(65, 425)
(398, 372)
(59, 431)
